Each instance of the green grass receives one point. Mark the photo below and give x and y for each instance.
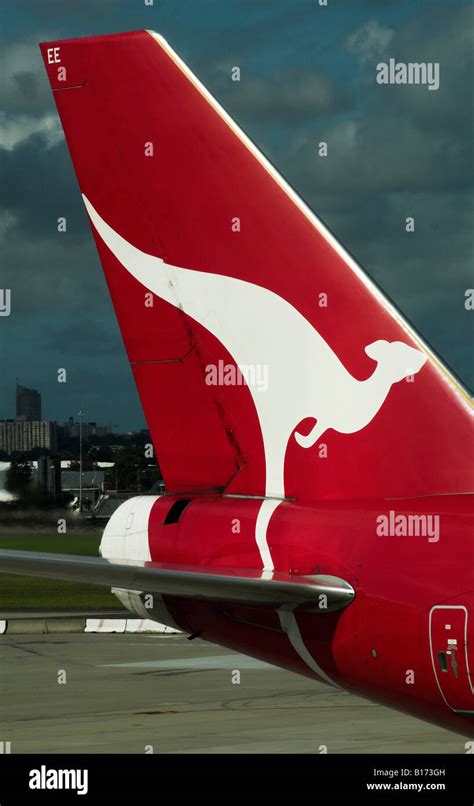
(37, 593)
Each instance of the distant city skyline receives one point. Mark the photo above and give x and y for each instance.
(28, 406)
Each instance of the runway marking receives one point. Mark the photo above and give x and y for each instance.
(234, 661)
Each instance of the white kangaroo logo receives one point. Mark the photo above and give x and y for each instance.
(395, 361)
(258, 327)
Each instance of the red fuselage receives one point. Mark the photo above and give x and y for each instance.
(407, 640)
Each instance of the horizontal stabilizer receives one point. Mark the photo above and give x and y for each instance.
(320, 593)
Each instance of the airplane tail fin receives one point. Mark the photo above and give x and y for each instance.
(267, 362)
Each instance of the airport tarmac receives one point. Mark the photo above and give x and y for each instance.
(125, 693)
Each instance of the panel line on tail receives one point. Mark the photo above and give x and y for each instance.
(164, 360)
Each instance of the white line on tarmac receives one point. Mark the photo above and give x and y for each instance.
(233, 661)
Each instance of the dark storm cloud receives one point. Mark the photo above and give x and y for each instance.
(382, 152)
(37, 182)
(79, 335)
(25, 91)
(427, 38)
(24, 88)
(291, 95)
(410, 138)
(28, 86)
(446, 37)
(38, 186)
(54, 277)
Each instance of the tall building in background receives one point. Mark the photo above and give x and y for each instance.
(27, 431)
(28, 404)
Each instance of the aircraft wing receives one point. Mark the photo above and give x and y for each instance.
(322, 593)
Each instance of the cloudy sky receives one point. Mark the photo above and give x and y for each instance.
(307, 75)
